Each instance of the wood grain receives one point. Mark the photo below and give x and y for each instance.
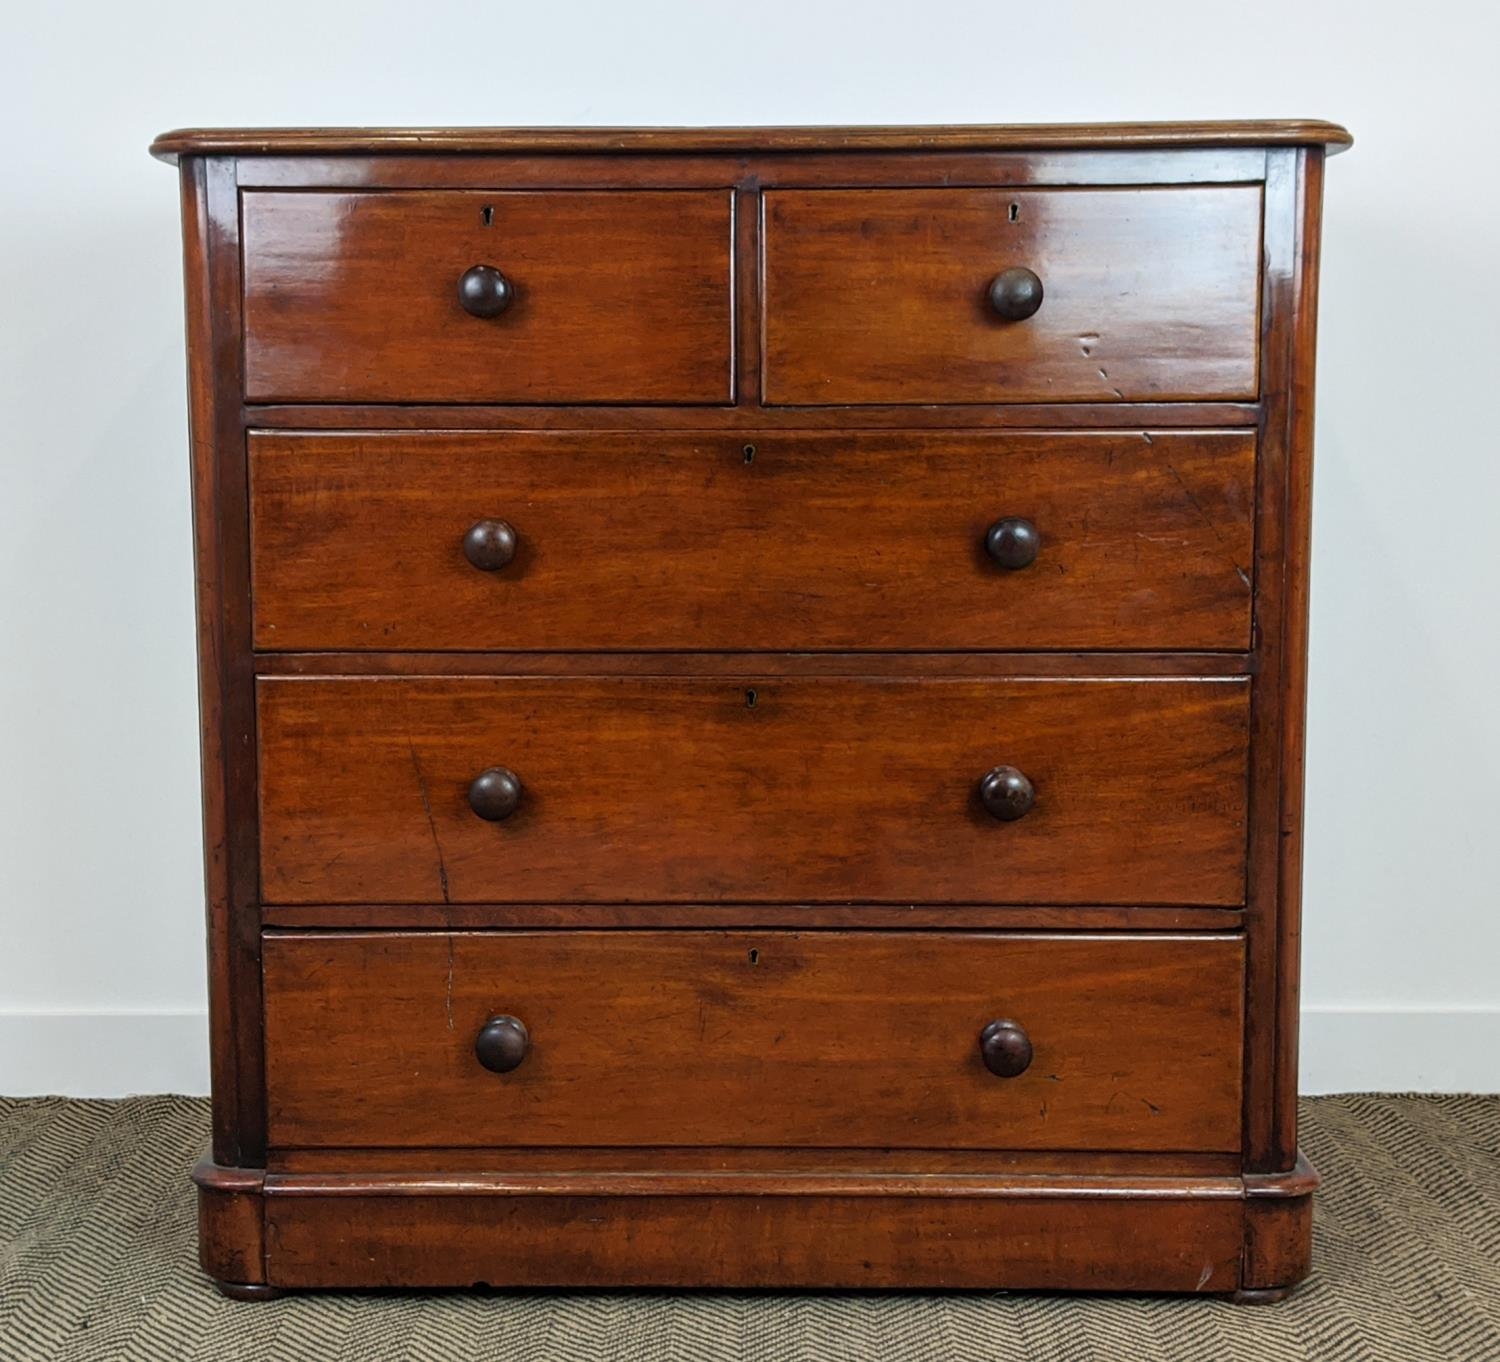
(620, 297)
(752, 171)
(1145, 1244)
(775, 541)
(669, 790)
(759, 1165)
(1071, 917)
(753, 420)
(226, 700)
(754, 1038)
(897, 666)
(1024, 136)
(750, 702)
(879, 295)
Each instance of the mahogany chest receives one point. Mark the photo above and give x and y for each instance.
(752, 692)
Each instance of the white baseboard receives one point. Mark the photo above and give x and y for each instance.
(1344, 1049)
(103, 1054)
(1400, 1049)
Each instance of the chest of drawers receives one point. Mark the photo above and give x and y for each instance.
(752, 690)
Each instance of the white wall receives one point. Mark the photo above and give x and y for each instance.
(101, 978)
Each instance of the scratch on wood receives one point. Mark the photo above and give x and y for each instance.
(448, 992)
(1204, 516)
(437, 845)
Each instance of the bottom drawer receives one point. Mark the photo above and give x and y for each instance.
(853, 1039)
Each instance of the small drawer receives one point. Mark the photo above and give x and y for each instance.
(547, 297)
(991, 295)
(779, 540)
(475, 789)
(876, 1039)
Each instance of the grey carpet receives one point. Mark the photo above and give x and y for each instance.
(97, 1261)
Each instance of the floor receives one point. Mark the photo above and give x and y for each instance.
(97, 1261)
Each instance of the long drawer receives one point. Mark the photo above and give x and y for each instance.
(780, 541)
(1011, 295)
(879, 1039)
(654, 789)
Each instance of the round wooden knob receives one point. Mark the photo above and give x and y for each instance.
(1012, 542)
(490, 545)
(1016, 293)
(1006, 1048)
(484, 292)
(502, 1044)
(1007, 794)
(495, 793)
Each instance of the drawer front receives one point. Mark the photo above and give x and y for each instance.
(775, 790)
(755, 1038)
(790, 541)
(613, 297)
(883, 295)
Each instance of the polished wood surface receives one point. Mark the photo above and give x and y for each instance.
(1130, 1243)
(1020, 136)
(882, 295)
(1072, 917)
(781, 540)
(699, 553)
(545, 1166)
(664, 789)
(617, 297)
(755, 1038)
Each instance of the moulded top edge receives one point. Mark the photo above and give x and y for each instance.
(1000, 137)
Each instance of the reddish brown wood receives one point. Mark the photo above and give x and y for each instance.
(754, 170)
(231, 1240)
(226, 695)
(1026, 137)
(803, 1241)
(896, 666)
(764, 542)
(806, 809)
(1293, 199)
(758, 1038)
(1278, 1231)
(882, 295)
(516, 1162)
(463, 916)
(1309, 220)
(619, 297)
(754, 420)
(687, 790)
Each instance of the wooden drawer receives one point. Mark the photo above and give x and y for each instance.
(882, 295)
(755, 1038)
(615, 297)
(793, 540)
(751, 790)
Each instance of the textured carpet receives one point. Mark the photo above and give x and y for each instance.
(97, 1261)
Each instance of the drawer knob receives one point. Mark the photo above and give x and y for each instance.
(490, 545)
(1006, 1048)
(1016, 293)
(484, 292)
(1007, 794)
(1012, 542)
(502, 1043)
(495, 793)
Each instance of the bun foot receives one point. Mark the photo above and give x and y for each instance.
(248, 1291)
(1260, 1295)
